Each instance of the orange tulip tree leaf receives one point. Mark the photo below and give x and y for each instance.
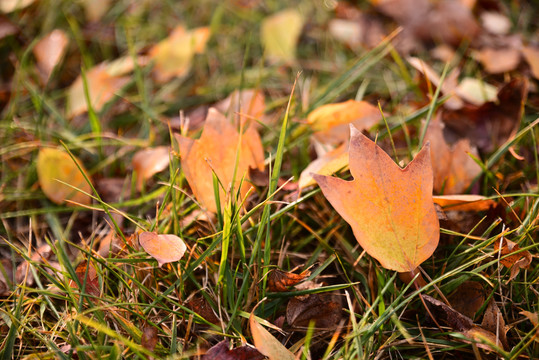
(56, 167)
(517, 260)
(331, 122)
(49, 52)
(327, 164)
(279, 281)
(454, 170)
(463, 202)
(148, 162)
(389, 209)
(280, 34)
(216, 149)
(173, 56)
(266, 343)
(222, 351)
(163, 248)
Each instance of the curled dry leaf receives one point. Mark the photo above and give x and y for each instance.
(149, 337)
(389, 209)
(148, 162)
(331, 123)
(517, 260)
(324, 309)
(463, 202)
(267, 344)
(49, 52)
(173, 56)
(54, 165)
(221, 351)
(216, 151)
(279, 281)
(163, 248)
(280, 34)
(327, 164)
(458, 322)
(493, 321)
(454, 170)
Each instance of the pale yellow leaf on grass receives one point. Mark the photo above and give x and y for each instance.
(49, 52)
(463, 202)
(280, 34)
(267, 344)
(173, 56)
(331, 122)
(148, 162)
(476, 91)
(164, 248)
(327, 164)
(8, 6)
(389, 209)
(54, 165)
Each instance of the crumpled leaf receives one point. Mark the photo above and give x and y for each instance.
(454, 169)
(517, 261)
(149, 337)
(8, 6)
(324, 309)
(163, 248)
(201, 306)
(279, 280)
(331, 122)
(327, 164)
(148, 162)
(221, 351)
(54, 165)
(463, 202)
(49, 52)
(280, 33)
(173, 56)
(267, 344)
(460, 323)
(216, 149)
(389, 209)
(493, 321)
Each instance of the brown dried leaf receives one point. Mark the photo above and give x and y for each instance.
(216, 150)
(280, 281)
(534, 319)
(148, 162)
(199, 305)
(490, 125)
(390, 209)
(41, 254)
(87, 269)
(163, 248)
(49, 52)
(463, 202)
(324, 309)
(221, 351)
(468, 298)
(331, 123)
(517, 261)
(496, 61)
(454, 170)
(149, 337)
(493, 321)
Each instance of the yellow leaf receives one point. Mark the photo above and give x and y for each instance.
(173, 56)
(280, 33)
(54, 165)
(463, 202)
(389, 209)
(163, 248)
(331, 122)
(267, 344)
(327, 164)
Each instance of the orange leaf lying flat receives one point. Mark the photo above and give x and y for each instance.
(148, 162)
(390, 209)
(463, 202)
(216, 149)
(163, 248)
(54, 167)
